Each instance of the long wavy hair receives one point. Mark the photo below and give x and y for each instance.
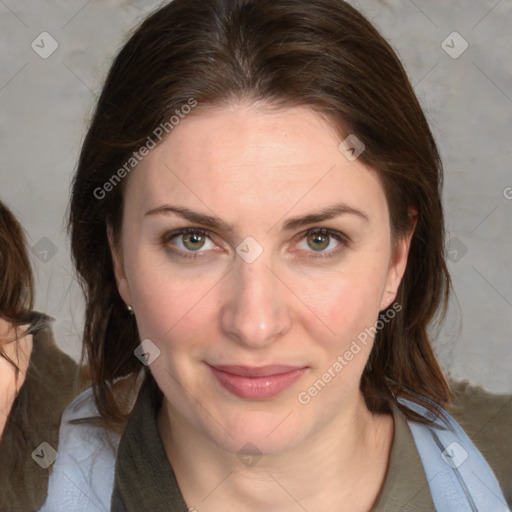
(322, 54)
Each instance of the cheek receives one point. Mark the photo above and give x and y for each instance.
(347, 302)
(179, 320)
(7, 385)
(171, 309)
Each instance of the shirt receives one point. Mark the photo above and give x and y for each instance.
(91, 476)
(144, 478)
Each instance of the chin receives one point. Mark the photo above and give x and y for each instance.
(259, 431)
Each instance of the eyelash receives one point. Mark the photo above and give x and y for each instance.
(184, 231)
(339, 237)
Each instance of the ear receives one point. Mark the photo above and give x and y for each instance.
(398, 262)
(117, 261)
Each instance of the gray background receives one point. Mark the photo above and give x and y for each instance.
(45, 105)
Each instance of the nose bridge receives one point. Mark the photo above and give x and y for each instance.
(255, 310)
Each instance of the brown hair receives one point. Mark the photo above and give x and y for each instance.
(49, 383)
(322, 54)
(16, 280)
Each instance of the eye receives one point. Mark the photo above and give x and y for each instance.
(189, 240)
(318, 241)
(321, 240)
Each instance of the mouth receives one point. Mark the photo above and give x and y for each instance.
(257, 383)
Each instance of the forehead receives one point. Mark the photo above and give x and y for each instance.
(250, 160)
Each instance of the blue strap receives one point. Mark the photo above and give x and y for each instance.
(459, 478)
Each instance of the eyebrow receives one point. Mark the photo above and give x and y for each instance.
(210, 221)
(325, 214)
(216, 223)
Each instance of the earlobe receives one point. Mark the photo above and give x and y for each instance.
(118, 264)
(387, 299)
(399, 262)
(395, 272)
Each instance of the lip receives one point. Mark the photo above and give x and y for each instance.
(257, 383)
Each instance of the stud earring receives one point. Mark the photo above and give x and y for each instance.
(130, 310)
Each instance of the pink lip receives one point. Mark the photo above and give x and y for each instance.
(257, 383)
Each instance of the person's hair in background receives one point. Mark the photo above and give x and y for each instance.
(16, 303)
(42, 376)
(323, 55)
(17, 291)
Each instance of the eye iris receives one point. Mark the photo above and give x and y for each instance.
(193, 241)
(318, 241)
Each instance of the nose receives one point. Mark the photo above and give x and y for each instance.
(255, 311)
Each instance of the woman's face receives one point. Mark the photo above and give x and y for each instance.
(285, 260)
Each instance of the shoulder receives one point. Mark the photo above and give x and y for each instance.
(83, 472)
(48, 386)
(47, 358)
(487, 420)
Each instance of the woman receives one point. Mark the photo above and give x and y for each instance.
(36, 379)
(257, 221)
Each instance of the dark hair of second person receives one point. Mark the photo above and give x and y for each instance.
(43, 387)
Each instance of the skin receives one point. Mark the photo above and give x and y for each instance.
(19, 352)
(255, 168)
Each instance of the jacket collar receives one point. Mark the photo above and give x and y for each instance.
(145, 480)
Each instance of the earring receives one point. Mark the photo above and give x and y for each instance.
(130, 310)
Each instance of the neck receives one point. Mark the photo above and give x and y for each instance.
(342, 467)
